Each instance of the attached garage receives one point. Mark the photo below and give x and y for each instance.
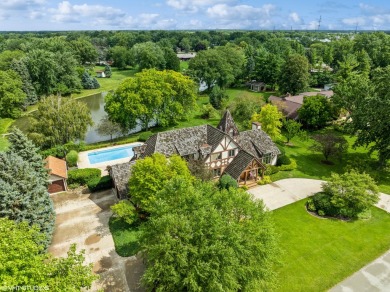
(58, 174)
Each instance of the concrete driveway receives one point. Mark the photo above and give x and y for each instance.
(286, 191)
(82, 218)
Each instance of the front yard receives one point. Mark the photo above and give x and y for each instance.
(319, 253)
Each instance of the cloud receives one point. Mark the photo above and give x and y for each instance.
(354, 21)
(294, 17)
(66, 12)
(20, 4)
(193, 5)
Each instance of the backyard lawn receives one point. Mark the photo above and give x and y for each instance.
(310, 165)
(319, 253)
(4, 125)
(125, 237)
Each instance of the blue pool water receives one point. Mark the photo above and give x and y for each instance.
(111, 154)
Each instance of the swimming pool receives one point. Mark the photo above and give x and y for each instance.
(111, 154)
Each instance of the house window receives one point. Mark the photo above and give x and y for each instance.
(216, 172)
(232, 152)
(216, 156)
(267, 159)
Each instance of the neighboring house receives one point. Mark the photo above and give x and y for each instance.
(185, 56)
(58, 174)
(289, 105)
(224, 150)
(100, 74)
(257, 86)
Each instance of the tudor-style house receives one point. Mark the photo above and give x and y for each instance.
(224, 150)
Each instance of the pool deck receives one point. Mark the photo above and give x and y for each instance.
(83, 161)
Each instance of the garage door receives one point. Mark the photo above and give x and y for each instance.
(57, 186)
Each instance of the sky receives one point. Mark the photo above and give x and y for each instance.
(37, 15)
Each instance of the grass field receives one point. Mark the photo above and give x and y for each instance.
(4, 126)
(319, 253)
(310, 165)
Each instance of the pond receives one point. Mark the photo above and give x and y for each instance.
(96, 104)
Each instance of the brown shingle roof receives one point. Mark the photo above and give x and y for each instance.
(56, 166)
(239, 164)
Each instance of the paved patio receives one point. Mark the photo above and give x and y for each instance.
(84, 162)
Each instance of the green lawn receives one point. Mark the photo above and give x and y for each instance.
(4, 125)
(125, 237)
(319, 253)
(183, 66)
(310, 165)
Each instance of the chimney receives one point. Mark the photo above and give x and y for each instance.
(256, 126)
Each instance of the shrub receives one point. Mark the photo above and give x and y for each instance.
(310, 205)
(266, 180)
(245, 188)
(83, 176)
(226, 182)
(126, 211)
(322, 202)
(293, 165)
(321, 213)
(72, 157)
(145, 136)
(271, 169)
(73, 186)
(283, 160)
(100, 183)
(208, 112)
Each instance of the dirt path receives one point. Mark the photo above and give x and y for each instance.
(83, 219)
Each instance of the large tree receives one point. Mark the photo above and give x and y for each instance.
(23, 194)
(59, 120)
(163, 96)
(11, 95)
(147, 55)
(218, 66)
(294, 74)
(149, 175)
(271, 120)
(24, 262)
(316, 111)
(330, 145)
(199, 238)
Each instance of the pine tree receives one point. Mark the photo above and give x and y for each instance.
(107, 71)
(24, 148)
(23, 196)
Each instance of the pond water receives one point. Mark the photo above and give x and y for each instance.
(96, 104)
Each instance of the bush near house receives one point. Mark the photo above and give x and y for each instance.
(145, 136)
(100, 183)
(83, 176)
(72, 158)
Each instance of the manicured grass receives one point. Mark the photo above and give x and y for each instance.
(319, 253)
(183, 66)
(310, 165)
(126, 237)
(4, 126)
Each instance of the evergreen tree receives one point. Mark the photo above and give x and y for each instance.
(107, 71)
(24, 148)
(23, 196)
(89, 82)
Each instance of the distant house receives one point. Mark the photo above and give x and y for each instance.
(185, 56)
(289, 104)
(100, 74)
(257, 85)
(224, 150)
(58, 174)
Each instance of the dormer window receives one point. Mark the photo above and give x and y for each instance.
(232, 152)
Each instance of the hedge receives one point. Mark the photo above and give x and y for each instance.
(100, 183)
(83, 176)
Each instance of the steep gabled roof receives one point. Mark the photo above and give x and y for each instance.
(227, 123)
(239, 164)
(56, 166)
(120, 174)
(257, 143)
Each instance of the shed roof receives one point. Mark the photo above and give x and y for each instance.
(56, 166)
